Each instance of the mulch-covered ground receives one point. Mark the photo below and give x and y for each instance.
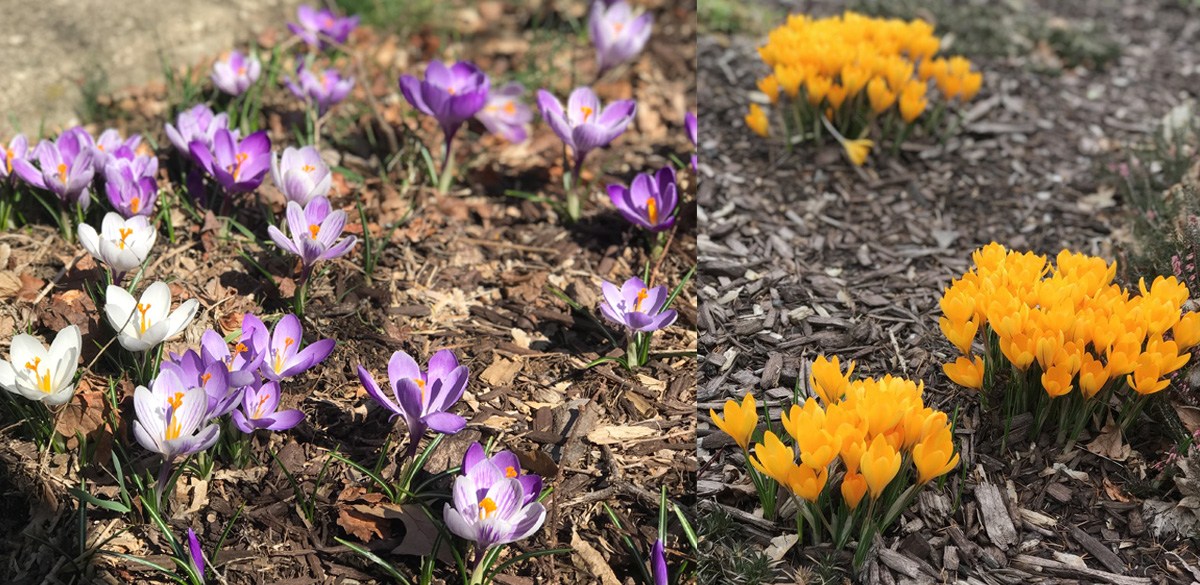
(802, 254)
(468, 271)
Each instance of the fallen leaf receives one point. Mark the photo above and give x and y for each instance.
(1189, 416)
(501, 372)
(595, 561)
(362, 526)
(1114, 492)
(10, 284)
(780, 545)
(1109, 444)
(614, 434)
(83, 415)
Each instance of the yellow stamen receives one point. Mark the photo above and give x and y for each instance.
(43, 381)
(125, 233)
(172, 429)
(637, 306)
(487, 507)
(142, 309)
(8, 156)
(510, 472)
(314, 229)
(652, 210)
(135, 204)
(587, 112)
(62, 172)
(308, 168)
(421, 386)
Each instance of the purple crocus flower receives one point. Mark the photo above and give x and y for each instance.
(689, 123)
(503, 465)
(258, 410)
(317, 27)
(286, 359)
(130, 185)
(505, 115)
(196, 553)
(618, 33)
(301, 174)
(109, 145)
(635, 306)
(584, 125)
(325, 88)
(243, 361)
(658, 563)
(422, 398)
(64, 167)
(498, 514)
(239, 166)
(313, 230)
(18, 148)
(450, 94)
(236, 72)
(195, 371)
(196, 124)
(649, 201)
(171, 418)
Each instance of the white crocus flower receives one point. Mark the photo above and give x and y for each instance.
(122, 244)
(146, 322)
(38, 373)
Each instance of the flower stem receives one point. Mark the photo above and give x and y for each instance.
(302, 292)
(574, 205)
(447, 166)
(633, 355)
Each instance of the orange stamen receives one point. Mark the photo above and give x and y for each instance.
(43, 381)
(258, 408)
(314, 229)
(236, 168)
(287, 342)
(204, 378)
(142, 309)
(421, 386)
(62, 172)
(135, 204)
(587, 112)
(637, 306)
(652, 210)
(8, 156)
(510, 472)
(176, 400)
(308, 168)
(510, 108)
(487, 507)
(125, 233)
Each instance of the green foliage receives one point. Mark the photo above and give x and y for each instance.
(403, 17)
(736, 17)
(729, 556)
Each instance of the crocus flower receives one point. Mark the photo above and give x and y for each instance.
(313, 230)
(236, 72)
(658, 563)
(122, 244)
(40, 373)
(450, 94)
(301, 174)
(317, 27)
(64, 167)
(689, 122)
(196, 124)
(635, 306)
(171, 418)
(648, 202)
(148, 321)
(584, 125)
(739, 421)
(196, 553)
(618, 33)
(238, 165)
(325, 88)
(505, 115)
(18, 148)
(130, 185)
(258, 411)
(503, 465)
(492, 516)
(243, 361)
(422, 398)
(110, 145)
(194, 371)
(286, 359)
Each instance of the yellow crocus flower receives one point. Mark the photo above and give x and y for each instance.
(739, 421)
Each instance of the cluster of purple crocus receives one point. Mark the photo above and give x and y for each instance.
(423, 398)
(69, 165)
(177, 414)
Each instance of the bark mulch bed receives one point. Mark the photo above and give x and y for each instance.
(803, 254)
(467, 271)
